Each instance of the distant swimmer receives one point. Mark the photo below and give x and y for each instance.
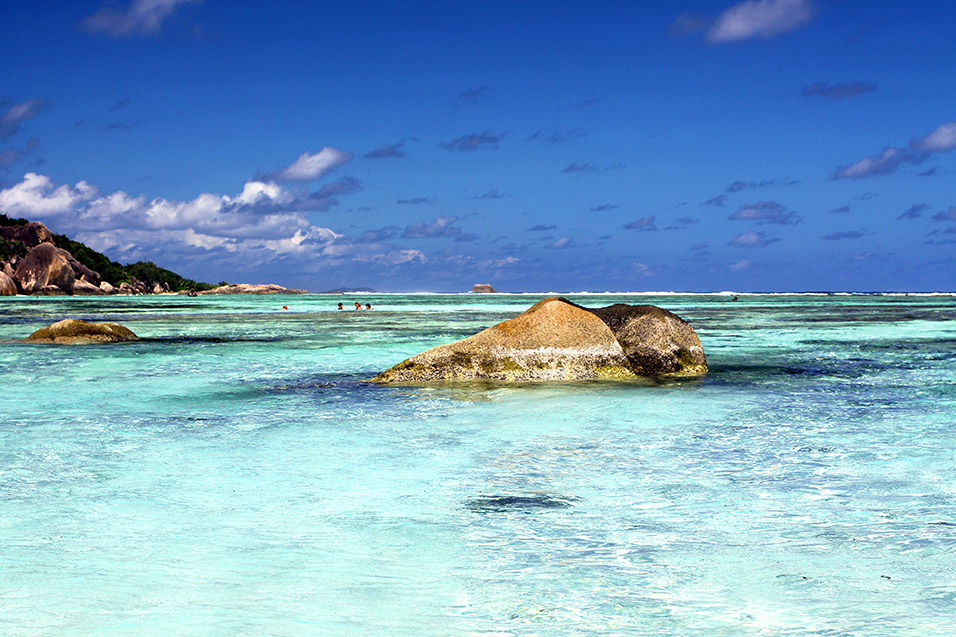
(341, 307)
(285, 307)
(358, 306)
(736, 299)
(368, 306)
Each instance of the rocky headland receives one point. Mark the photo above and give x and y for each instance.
(35, 261)
(559, 340)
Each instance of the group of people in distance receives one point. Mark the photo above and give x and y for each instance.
(358, 306)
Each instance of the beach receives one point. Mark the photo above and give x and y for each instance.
(234, 472)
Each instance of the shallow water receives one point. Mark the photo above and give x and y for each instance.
(234, 473)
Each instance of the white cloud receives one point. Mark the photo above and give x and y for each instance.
(884, 163)
(740, 266)
(310, 167)
(760, 19)
(37, 196)
(752, 240)
(11, 118)
(142, 17)
(941, 139)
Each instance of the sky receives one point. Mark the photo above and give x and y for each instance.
(688, 145)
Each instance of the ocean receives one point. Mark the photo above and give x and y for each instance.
(235, 473)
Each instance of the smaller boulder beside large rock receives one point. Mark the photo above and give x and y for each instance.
(30, 234)
(483, 288)
(72, 332)
(83, 287)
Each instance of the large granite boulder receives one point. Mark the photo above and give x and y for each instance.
(247, 288)
(107, 288)
(72, 332)
(8, 286)
(483, 288)
(555, 340)
(30, 234)
(44, 266)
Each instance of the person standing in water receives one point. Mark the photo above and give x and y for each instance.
(341, 307)
(358, 306)
(368, 306)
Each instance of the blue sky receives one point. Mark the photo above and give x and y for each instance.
(765, 145)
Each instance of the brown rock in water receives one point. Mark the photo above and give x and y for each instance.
(72, 332)
(655, 341)
(43, 266)
(86, 288)
(8, 286)
(559, 340)
(483, 288)
(553, 340)
(31, 234)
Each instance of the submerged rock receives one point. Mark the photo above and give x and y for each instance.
(559, 340)
(483, 288)
(72, 331)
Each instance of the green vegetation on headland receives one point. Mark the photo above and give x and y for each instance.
(144, 273)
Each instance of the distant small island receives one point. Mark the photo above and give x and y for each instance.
(35, 261)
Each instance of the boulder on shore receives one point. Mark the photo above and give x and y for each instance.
(8, 286)
(72, 331)
(29, 234)
(44, 266)
(559, 340)
(84, 287)
(107, 288)
(247, 288)
(483, 288)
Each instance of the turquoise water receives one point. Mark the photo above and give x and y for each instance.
(234, 474)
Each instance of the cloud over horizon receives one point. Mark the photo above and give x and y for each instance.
(761, 19)
(766, 212)
(939, 140)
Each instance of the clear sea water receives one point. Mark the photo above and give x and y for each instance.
(234, 473)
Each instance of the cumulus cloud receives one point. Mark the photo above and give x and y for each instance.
(377, 236)
(683, 222)
(387, 151)
(492, 194)
(141, 17)
(915, 211)
(440, 227)
(11, 156)
(643, 224)
(588, 167)
(467, 99)
(941, 139)
(760, 19)
(837, 92)
(883, 163)
(948, 215)
(847, 234)
(309, 167)
(11, 120)
(766, 212)
(556, 137)
(752, 240)
(737, 186)
(561, 244)
(262, 223)
(720, 201)
(475, 141)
